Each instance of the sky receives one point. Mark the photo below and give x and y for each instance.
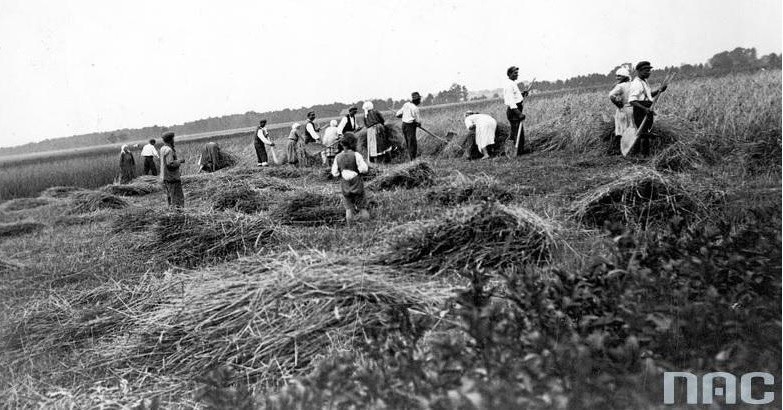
(73, 67)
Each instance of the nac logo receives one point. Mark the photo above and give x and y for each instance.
(708, 390)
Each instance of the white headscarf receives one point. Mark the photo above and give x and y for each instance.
(333, 123)
(294, 125)
(623, 71)
(124, 148)
(367, 106)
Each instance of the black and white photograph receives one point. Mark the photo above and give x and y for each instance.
(411, 204)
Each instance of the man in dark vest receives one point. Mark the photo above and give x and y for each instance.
(348, 122)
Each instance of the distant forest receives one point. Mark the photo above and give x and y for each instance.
(725, 62)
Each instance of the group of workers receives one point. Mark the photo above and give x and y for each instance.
(337, 147)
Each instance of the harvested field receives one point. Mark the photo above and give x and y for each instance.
(60, 191)
(638, 196)
(308, 208)
(239, 198)
(91, 201)
(21, 204)
(8, 266)
(135, 219)
(486, 236)
(411, 175)
(132, 189)
(286, 172)
(459, 188)
(83, 219)
(8, 230)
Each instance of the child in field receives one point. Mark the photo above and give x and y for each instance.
(348, 165)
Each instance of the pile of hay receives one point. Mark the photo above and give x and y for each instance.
(579, 132)
(410, 175)
(485, 236)
(458, 144)
(135, 220)
(8, 230)
(21, 204)
(459, 189)
(193, 239)
(8, 266)
(308, 208)
(270, 319)
(286, 172)
(638, 196)
(60, 191)
(91, 201)
(132, 189)
(429, 146)
(238, 197)
(678, 157)
(83, 219)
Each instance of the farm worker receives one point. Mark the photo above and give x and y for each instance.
(293, 142)
(311, 130)
(127, 165)
(514, 99)
(170, 172)
(260, 142)
(640, 96)
(623, 117)
(484, 126)
(348, 122)
(410, 121)
(149, 153)
(377, 147)
(348, 165)
(211, 158)
(330, 141)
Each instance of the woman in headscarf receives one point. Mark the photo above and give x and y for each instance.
(623, 116)
(292, 151)
(484, 127)
(330, 142)
(127, 165)
(377, 146)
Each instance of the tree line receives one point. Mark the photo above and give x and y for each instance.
(737, 60)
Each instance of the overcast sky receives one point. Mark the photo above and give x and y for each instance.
(72, 67)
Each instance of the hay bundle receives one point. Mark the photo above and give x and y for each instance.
(8, 230)
(286, 172)
(429, 146)
(678, 157)
(639, 195)
(84, 219)
(21, 204)
(308, 208)
(410, 175)
(91, 201)
(132, 189)
(238, 197)
(271, 183)
(146, 179)
(134, 220)
(192, 239)
(60, 191)
(270, 319)
(485, 236)
(459, 189)
(575, 132)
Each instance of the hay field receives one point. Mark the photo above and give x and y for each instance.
(566, 278)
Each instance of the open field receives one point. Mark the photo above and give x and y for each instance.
(566, 278)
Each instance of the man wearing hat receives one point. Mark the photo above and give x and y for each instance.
(348, 122)
(170, 173)
(410, 121)
(514, 98)
(640, 96)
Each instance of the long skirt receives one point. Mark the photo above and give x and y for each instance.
(291, 152)
(485, 132)
(623, 119)
(376, 141)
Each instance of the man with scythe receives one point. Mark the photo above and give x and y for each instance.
(641, 98)
(514, 99)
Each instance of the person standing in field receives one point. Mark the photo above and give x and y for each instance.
(348, 122)
(484, 127)
(260, 142)
(170, 172)
(292, 149)
(149, 153)
(348, 165)
(311, 129)
(127, 165)
(514, 99)
(640, 97)
(623, 116)
(410, 121)
(330, 141)
(377, 147)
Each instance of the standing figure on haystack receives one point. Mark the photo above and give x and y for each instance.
(484, 126)
(331, 142)
(292, 149)
(640, 97)
(149, 153)
(348, 122)
(377, 144)
(127, 165)
(514, 101)
(411, 120)
(348, 165)
(623, 116)
(170, 172)
(260, 142)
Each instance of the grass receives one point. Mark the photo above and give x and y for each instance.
(125, 305)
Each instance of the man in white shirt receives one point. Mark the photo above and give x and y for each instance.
(311, 130)
(640, 96)
(149, 153)
(348, 122)
(514, 99)
(410, 121)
